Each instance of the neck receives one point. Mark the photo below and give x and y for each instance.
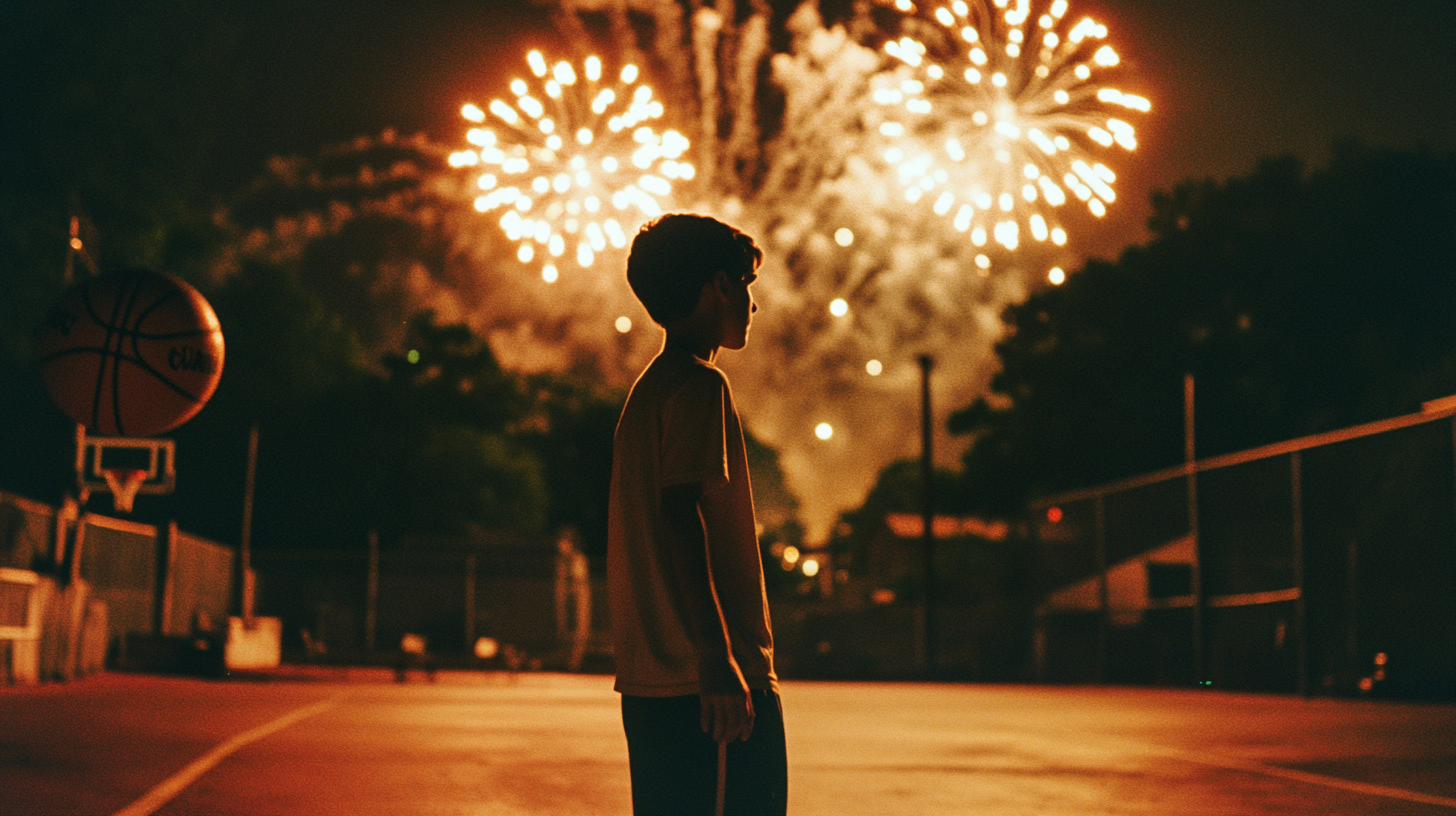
(699, 347)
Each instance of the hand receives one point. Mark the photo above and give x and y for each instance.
(727, 716)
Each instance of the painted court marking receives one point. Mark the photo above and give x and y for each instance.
(174, 784)
(1305, 776)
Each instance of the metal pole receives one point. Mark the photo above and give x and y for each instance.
(1301, 642)
(1352, 607)
(1104, 610)
(927, 475)
(470, 604)
(245, 549)
(162, 600)
(1190, 462)
(371, 608)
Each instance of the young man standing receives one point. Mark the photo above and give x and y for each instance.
(690, 621)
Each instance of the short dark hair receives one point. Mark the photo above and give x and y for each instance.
(673, 256)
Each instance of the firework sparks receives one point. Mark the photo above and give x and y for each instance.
(573, 162)
(999, 115)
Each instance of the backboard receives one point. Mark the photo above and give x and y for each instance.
(100, 460)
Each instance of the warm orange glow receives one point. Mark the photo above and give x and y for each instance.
(1040, 123)
(550, 143)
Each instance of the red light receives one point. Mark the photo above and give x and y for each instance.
(1054, 514)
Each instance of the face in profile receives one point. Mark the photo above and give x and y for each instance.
(738, 312)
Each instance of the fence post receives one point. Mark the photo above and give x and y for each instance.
(927, 475)
(1352, 607)
(245, 540)
(1190, 462)
(1301, 643)
(166, 555)
(1104, 611)
(371, 608)
(470, 604)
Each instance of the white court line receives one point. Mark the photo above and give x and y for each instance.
(174, 784)
(1304, 776)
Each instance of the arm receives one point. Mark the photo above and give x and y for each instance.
(727, 709)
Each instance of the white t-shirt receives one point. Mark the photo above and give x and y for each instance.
(679, 426)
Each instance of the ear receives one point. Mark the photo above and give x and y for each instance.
(722, 284)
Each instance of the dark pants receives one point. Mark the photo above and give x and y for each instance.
(675, 765)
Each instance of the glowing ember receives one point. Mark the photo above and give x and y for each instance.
(574, 161)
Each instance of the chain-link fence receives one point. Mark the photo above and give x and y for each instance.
(1320, 565)
(535, 597)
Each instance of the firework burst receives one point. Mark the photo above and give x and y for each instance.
(574, 162)
(1000, 114)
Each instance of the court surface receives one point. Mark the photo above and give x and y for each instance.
(475, 744)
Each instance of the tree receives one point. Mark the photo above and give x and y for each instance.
(1300, 301)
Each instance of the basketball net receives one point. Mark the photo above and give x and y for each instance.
(124, 483)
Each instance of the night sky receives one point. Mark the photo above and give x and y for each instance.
(1230, 80)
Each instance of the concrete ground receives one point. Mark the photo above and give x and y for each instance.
(355, 743)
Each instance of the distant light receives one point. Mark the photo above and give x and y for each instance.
(811, 567)
(791, 554)
(874, 368)
(473, 113)
(76, 244)
(624, 324)
(548, 273)
(843, 237)
(413, 356)
(486, 648)
(1054, 514)
(838, 307)
(823, 430)
(1057, 276)
(537, 62)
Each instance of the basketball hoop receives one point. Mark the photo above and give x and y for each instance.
(124, 483)
(125, 467)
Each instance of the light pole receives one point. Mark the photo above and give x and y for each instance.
(927, 474)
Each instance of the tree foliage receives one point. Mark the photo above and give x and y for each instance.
(1301, 301)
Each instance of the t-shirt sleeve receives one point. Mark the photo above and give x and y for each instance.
(694, 438)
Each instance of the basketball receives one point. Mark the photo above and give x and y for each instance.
(133, 353)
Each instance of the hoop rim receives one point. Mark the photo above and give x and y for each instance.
(124, 483)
